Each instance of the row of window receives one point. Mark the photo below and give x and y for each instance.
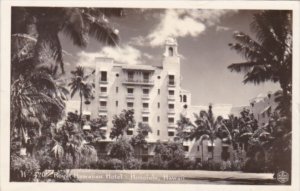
(170, 134)
(146, 91)
(130, 77)
(171, 106)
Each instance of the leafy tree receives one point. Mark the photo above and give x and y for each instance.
(274, 140)
(269, 57)
(120, 149)
(170, 154)
(96, 133)
(184, 126)
(44, 24)
(80, 84)
(121, 123)
(142, 133)
(139, 141)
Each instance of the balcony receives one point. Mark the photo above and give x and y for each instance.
(145, 96)
(143, 82)
(171, 111)
(130, 96)
(171, 97)
(103, 82)
(102, 108)
(145, 110)
(171, 126)
(103, 95)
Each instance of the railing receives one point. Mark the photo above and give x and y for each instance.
(103, 81)
(139, 82)
(102, 108)
(171, 97)
(103, 94)
(145, 110)
(130, 95)
(171, 111)
(145, 96)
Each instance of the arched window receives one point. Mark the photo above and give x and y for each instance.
(184, 98)
(171, 52)
(180, 98)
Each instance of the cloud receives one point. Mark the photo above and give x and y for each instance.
(124, 54)
(172, 24)
(222, 28)
(181, 23)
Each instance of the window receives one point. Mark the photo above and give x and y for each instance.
(117, 103)
(158, 119)
(186, 148)
(209, 148)
(130, 104)
(103, 103)
(171, 120)
(129, 132)
(158, 105)
(145, 119)
(171, 92)
(171, 52)
(180, 98)
(117, 89)
(145, 105)
(130, 90)
(158, 132)
(171, 80)
(145, 91)
(198, 148)
(171, 133)
(171, 106)
(158, 91)
(103, 76)
(184, 98)
(225, 153)
(130, 76)
(103, 89)
(146, 77)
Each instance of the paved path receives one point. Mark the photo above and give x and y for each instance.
(172, 176)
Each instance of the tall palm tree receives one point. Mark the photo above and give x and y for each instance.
(79, 83)
(269, 57)
(33, 98)
(44, 24)
(209, 127)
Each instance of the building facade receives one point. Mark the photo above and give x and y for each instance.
(156, 95)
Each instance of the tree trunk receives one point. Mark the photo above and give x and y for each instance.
(80, 109)
(212, 150)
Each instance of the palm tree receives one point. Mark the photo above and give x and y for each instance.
(33, 97)
(44, 24)
(269, 57)
(209, 127)
(80, 84)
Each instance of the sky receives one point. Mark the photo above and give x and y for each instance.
(203, 37)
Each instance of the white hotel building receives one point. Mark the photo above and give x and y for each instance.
(155, 94)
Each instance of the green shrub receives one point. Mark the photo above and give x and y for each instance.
(115, 164)
(102, 164)
(120, 149)
(225, 165)
(133, 163)
(157, 163)
(23, 168)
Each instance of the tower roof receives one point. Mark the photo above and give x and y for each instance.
(171, 41)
